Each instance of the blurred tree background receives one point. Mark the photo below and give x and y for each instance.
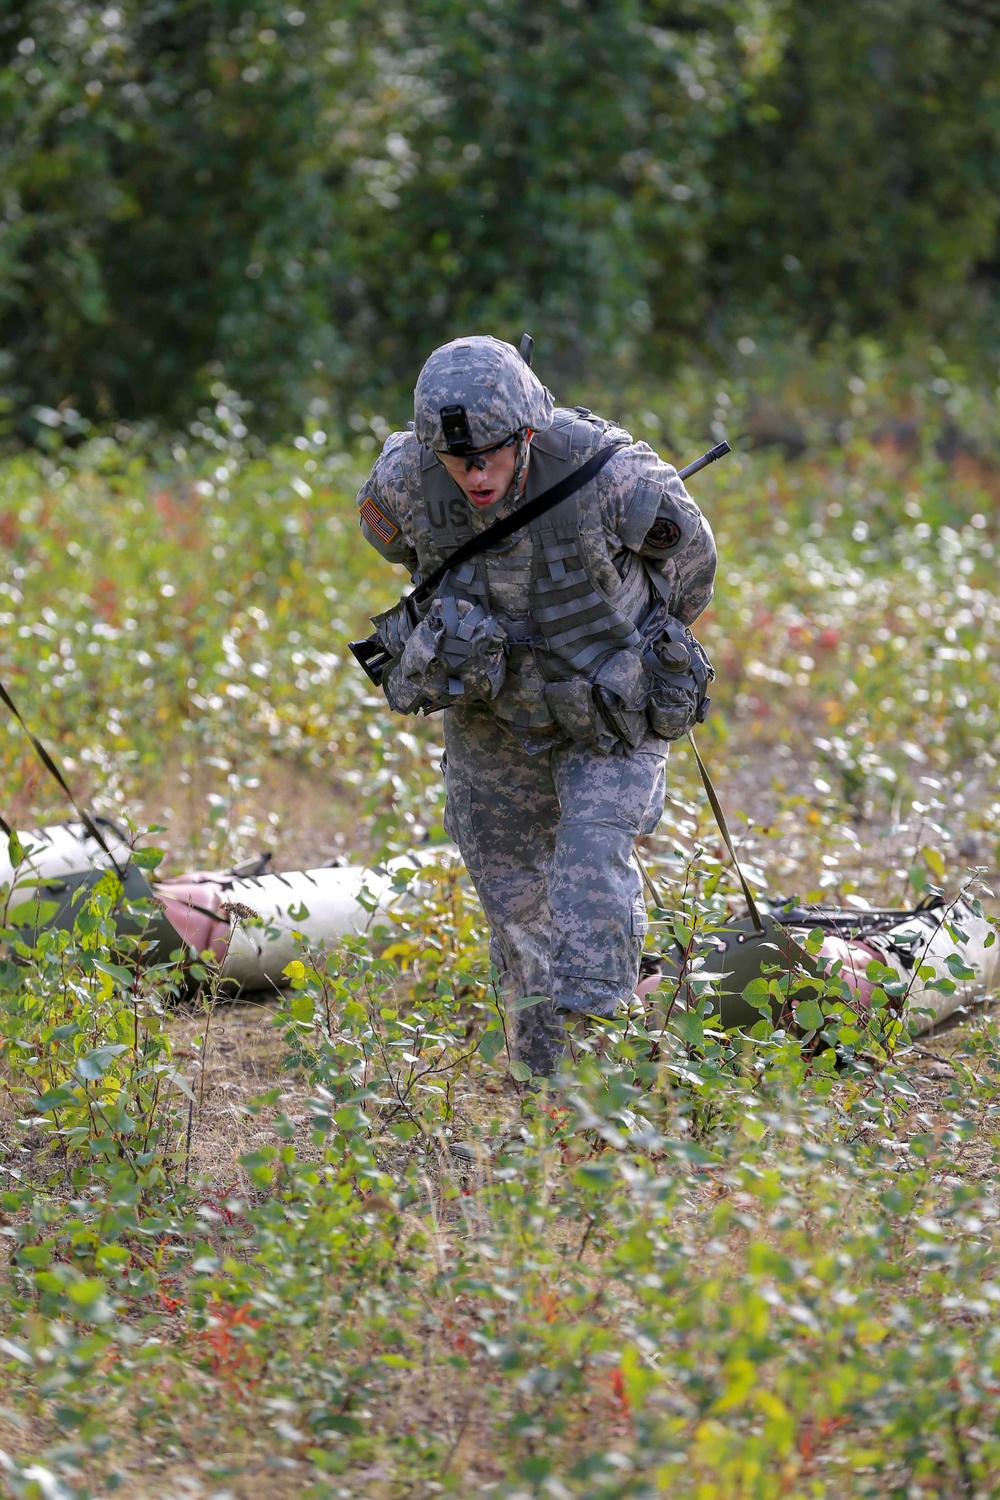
(302, 202)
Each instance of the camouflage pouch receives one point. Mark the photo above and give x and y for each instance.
(457, 652)
(574, 707)
(395, 626)
(680, 672)
(621, 687)
(379, 652)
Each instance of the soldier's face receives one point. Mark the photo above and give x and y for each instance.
(483, 486)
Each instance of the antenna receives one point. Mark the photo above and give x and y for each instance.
(526, 348)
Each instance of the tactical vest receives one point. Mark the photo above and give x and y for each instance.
(582, 612)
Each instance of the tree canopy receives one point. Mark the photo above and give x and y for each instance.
(304, 201)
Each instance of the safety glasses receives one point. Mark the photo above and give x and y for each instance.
(469, 461)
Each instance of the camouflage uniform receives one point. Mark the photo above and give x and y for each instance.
(547, 839)
(547, 823)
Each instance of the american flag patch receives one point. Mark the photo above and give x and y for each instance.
(380, 524)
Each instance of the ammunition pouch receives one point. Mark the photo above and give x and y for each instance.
(662, 689)
(607, 711)
(621, 688)
(395, 626)
(379, 652)
(455, 652)
(574, 706)
(679, 674)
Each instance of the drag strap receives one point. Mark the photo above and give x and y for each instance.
(523, 516)
(54, 771)
(720, 818)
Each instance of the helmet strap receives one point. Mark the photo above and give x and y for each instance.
(520, 464)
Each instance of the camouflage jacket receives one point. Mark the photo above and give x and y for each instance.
(637, 512)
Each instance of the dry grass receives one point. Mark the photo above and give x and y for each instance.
(242, 1059)
(303, 816)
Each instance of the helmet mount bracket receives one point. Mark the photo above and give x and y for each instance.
(457, 433)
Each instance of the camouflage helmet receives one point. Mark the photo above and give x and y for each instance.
(474, 392)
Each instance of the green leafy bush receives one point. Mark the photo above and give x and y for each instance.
(303, 201)
(717, 1262)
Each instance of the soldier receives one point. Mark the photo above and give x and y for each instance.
(560, 657)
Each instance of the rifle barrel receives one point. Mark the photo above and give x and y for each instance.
(719, 451)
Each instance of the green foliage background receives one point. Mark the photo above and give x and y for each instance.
(303, 201)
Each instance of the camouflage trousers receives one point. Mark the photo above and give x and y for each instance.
(548, 841)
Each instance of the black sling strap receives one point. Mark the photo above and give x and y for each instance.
(720, 818)
(54, 771)
(727, 838)
(523, 516)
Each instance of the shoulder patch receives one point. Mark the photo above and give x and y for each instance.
(663, 533)
(387, 531)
